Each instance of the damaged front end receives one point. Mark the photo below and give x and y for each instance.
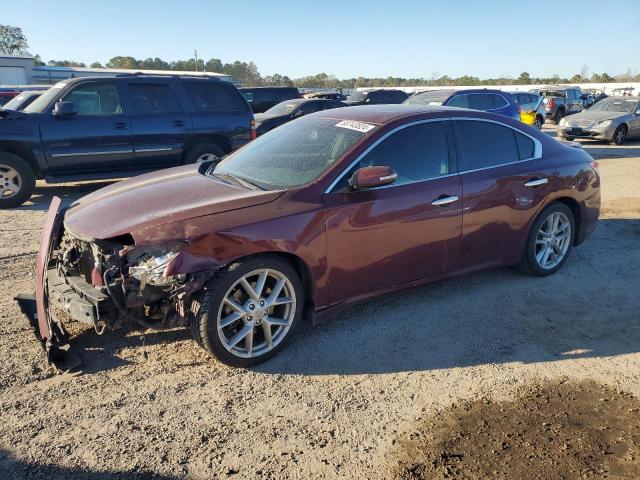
(105, 283)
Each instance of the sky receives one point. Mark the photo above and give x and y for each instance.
(347, 39)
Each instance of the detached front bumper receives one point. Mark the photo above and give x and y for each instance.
(47, 327)
(579, 132)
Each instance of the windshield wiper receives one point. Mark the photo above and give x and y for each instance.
(233, 179)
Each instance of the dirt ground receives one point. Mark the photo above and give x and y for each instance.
(343, 396)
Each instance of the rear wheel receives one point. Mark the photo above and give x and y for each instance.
(538, 122)
(550, 240)
(203, 152)
(620, 135)
(249, 311)
(558, 117)
(17, 180)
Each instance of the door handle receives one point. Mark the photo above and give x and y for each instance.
(536, 182)
(120, 125)
(443, 200)
(178, 123)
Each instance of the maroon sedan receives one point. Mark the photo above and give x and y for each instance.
(330, 209)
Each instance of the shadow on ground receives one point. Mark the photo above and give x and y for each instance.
(12, 468)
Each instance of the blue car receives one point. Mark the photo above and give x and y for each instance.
(487, 100)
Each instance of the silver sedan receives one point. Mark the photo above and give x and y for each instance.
(613, 119)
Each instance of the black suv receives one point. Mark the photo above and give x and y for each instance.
(375, 97)
(262, 99)
(112, 127)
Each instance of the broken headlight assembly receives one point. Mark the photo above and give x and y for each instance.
(150, 269)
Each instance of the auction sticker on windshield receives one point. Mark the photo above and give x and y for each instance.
(354, 125)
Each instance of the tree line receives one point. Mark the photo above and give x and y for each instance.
(13, 41)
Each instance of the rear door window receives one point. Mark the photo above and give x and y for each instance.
(481, 101)
(486, 144)
(210, 96)
(150, 98)
(461, 101)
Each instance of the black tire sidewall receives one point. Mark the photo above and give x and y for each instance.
(27, 177)
(213, 295)
(199, 149)
(530, 253)
(615, 135)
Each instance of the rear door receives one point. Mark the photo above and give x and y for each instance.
(96, 139)
(159, 124)
(504, 182)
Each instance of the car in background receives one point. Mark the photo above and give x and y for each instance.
(118, 126)
(612, 119)
(7, 92)
(328, 210)
(261, 99)
(560, 101)
(484, 99)
(326, 95)
(288, 110)
(22, 100)
(376, 97)
(531, 106)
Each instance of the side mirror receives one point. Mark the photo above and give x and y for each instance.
(638, 112)
(64, 109)
(370, 177)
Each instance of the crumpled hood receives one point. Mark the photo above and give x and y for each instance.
(156, 198)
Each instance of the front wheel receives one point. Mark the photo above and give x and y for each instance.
(550, 240)
(620, 135)
(538, 122)
(249, 311)
(17, 180)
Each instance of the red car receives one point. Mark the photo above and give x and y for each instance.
(330, 209)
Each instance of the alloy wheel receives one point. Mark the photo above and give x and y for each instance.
(10, 181)
(256, 313)
(553, 240)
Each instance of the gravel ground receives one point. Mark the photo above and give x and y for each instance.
(336, 400)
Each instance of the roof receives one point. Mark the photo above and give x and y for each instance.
(381, 114)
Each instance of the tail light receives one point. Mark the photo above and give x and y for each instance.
(595, 166)
(550, 103)
(253, 129)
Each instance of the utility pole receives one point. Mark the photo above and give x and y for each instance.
(195, 53)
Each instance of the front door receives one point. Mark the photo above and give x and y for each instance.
(402, 232)
(159, 125)
(97, 138)
(504, 182)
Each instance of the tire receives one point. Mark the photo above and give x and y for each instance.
(213, 311)
(539, 121)
(17, 180)
(532, 264)
(558, 117)
(620, 135)
(203, 152)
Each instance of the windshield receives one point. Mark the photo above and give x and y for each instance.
(357, 97)
(614, 105)
(15, 102)
(292, 155)
(283, 108)
(40, 103)
(428, 98)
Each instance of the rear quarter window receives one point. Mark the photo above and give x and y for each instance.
(214, 97)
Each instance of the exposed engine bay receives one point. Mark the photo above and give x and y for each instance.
(109, 282)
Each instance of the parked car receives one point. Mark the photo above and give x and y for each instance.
(286, 111)
(111, 127)
(588, 100)
(376, 97)
(531, 105)
(22, 100)
(614, 120)
(561, 101)
(330, 209)
(261, 99)
(484, 99)
(8, 92)
(326, 95)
